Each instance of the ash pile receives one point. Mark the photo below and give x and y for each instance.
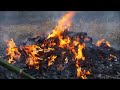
(72, 56)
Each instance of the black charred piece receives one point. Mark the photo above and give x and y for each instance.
(81, 34)
(40, 39)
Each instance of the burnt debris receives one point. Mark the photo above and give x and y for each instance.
(102, 61)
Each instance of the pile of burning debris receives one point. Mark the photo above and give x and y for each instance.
(65, 54)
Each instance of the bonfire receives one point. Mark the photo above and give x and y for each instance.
(62, 54)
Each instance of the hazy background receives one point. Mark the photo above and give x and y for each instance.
(20, 25)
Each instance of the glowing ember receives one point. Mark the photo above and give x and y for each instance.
(99, 42)
(48, 49)
(75, 43)
(66, 60)
(108, 44)
(52, 43)
(12, 51)
(78, 69)
(52, 58)
(112, 57)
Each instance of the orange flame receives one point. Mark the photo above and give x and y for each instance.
(75, 43)
(108, 44)
(81, 73)
(32, 52)
(99, 42)
(52, 58)
(76, 48)
(79, 55)
(12, 51)
(64, 23)
(64, 42)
